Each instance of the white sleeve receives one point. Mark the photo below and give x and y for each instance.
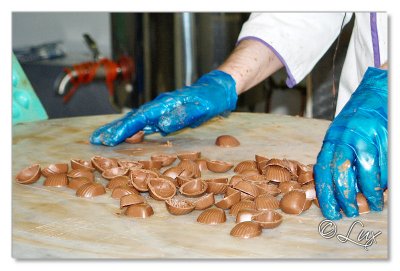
(298, 39)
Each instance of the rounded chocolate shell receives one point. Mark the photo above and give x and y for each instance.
(79, 173)
(293, 202)
(248, 188)
(227, 141)
(204, 201)
(102, 163)
(246, 229)
(140, 210)
(129, 164)
(231, 197)
(219, 166)
(190, 166)
(161, 189)
(165, 159)
(90, 190)
(114, 172)
(118, 181)
(212, 216)
(56, 180)
(193, 188)
(54, 169)
(245, 165)
(81, 164)
(174, 172)
(136, 138)
(121, 191)
(244, 204)
(268, 219)
(189, 155)
(151, 164)
(75, 183)
(266, 202)
(309, 189)
(305, 177)
(277, 174)
(130, 199)
(216, 188)
(179, 206)
(260, 158)
(246, 215)
(201, 163)
(140, 178)
(29, 175)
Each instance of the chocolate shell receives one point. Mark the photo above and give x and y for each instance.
(212, 216)
(204, 201)
(305, 177)
(54, 169)
(121, 191)
(90, 190)
(217, 186)
(293, 202)
(266, 202)
(189, 155)
(111, 173)
(202, 164)
(151, 164)
(161, 189)
(141, 210)
(244, 204)
(309, 189)
(246, 215)
(174, 172)
(102, 163)
(165, 159)
(191, 166)
(81, 164)
(245, 165)
(227, 141)
(277, 174)
(247, 229)
(129, 164)
(219, 166)
(76, 183)
(130, 199)
(179, 206)
(29, 175)
(260, 158)
(231, 197)
(56, 180)
(194, 188)
(140, 178)
(268, 219)
(79, 173)
(136, 138)
(248, 188)
(118, 181)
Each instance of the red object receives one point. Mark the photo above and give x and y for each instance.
(85, 73)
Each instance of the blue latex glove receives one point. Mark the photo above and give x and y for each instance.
(353, 156)
(213, 94)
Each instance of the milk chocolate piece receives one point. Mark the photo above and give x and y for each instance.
(81, 164)
(102, 163)
(227, 141)
(161, 189)
(90, 190)
(165, 159)
(177, 206)
(130, 199)
(136, 138)
(247, 229)
(114, 172)
(141, 210)
(268, 219)
(76, 183)
(194, 188)
(212, 216)
(219, 166)
(56, 180)
(54, 169)
(293, 202)
(29, 175)
(245, 165)
(266, 202)
(189, 155)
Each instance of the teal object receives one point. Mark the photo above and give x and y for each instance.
(213, 94)
(353, 157)
(26, 106)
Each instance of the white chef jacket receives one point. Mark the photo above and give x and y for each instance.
(299, 40)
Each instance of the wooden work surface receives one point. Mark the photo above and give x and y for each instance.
(54, 223)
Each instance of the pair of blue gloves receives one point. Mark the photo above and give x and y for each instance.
(353, 157)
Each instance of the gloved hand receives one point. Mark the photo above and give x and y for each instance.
(213, 94)
(353, 157)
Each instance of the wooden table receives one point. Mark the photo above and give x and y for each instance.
(54, 223)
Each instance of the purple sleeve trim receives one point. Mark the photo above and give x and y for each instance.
(375, 40)
(290, 81)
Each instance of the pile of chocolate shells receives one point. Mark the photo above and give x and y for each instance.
(256, 196)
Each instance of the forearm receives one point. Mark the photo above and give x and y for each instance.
(250, 63)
